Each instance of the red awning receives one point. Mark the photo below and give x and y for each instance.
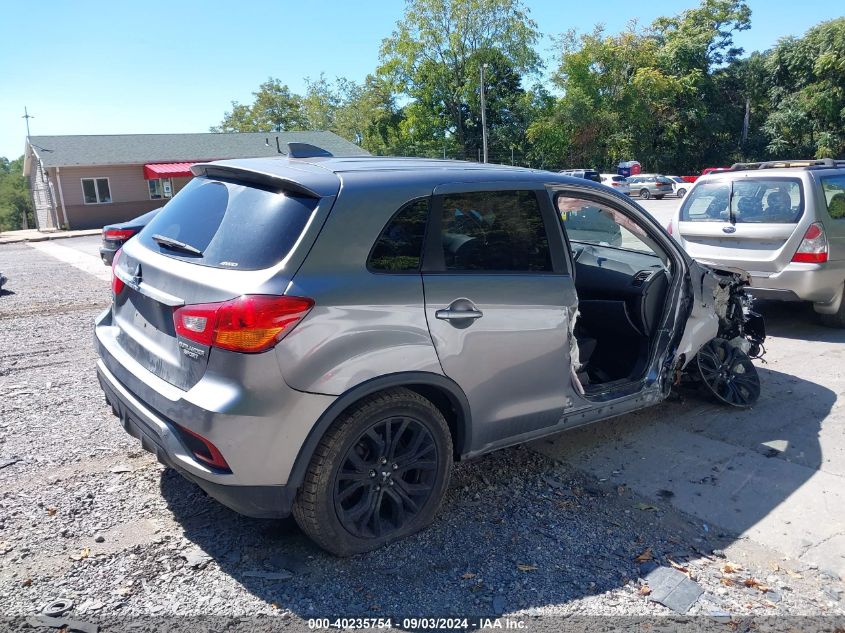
(153, 171)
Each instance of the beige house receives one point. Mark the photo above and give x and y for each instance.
(81, 182)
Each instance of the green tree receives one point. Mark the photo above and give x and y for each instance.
(274, 109)
(15, 202)
(320, 104)
(434, 58)
(807, 78)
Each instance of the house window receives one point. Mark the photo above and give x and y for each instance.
(96, 190)
(160, 188)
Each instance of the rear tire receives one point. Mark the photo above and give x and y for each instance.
(645, 194)
(401, 437)
(682, 193)
(837, 319)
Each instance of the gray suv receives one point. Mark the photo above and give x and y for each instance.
(324, 336)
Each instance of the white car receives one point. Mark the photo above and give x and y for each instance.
(620, 183)
(679, 185)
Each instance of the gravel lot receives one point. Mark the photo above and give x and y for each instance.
(85, 514)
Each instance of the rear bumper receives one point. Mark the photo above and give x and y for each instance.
(819, 283)
(107, 254)
(160, 439)
(241, 404)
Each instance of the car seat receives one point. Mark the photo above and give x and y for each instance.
(779, 207)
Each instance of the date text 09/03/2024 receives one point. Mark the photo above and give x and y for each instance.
(416, 623)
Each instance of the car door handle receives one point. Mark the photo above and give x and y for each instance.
(450, 314)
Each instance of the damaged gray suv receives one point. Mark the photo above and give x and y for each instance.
(324, 336)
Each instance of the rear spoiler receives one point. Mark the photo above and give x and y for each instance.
(263, 180)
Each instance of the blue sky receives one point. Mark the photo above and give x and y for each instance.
(106, 67)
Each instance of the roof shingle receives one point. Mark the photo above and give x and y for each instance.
(138, 149)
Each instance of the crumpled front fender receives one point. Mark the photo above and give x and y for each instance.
(711, 296)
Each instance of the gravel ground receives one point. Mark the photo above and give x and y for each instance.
(85, 514)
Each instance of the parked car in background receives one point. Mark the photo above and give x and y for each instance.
(679, 185)
(589, 174)
(650, 186)
(116, 235)
(782, 221)
(324, 336)
(620, 183)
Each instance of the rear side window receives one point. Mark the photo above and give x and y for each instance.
(496, 231)
(399, 247)
(750, 200)
(233, 226)
(834, 195)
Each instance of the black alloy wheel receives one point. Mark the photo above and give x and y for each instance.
(386, 477)
(378, 474)
(728, 373)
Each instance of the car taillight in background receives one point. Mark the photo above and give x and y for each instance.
(813, 248)
(117, 284)
(252, 323)
(117, 235)
(669, 227)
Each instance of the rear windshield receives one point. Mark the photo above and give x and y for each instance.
(233, 226)
(834, 195)
(750, 200)
(618, 178)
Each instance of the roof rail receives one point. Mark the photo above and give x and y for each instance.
(806, 163)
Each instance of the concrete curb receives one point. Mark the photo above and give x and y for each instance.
(43, 237)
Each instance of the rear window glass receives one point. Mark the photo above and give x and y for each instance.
(499, 231)
(834, 195)
(234, 226)
(750, 200)
(399, 247)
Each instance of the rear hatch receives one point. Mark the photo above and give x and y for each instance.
(751, 222)
(663, 184)
(216, 240)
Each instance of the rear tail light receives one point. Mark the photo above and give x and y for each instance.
(203, 449)
(813, 248)
(669, 227)
(252, 323)
(117, 284)
(118, 234)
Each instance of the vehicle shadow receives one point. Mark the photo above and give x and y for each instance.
(796, 320)
(524, 527)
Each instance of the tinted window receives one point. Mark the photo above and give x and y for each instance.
(834, 195)
(399, 247)
(494, 231)
(235, 226)
(750, 200)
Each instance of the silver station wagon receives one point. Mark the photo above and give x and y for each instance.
(324, 336)
(782, 221)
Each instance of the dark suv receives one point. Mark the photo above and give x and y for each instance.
(324, 336)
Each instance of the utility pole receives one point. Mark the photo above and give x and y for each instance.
(27, 116)
(483, 115)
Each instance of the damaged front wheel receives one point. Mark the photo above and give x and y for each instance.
(728, 373)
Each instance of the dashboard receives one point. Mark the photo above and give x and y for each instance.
(620, 291)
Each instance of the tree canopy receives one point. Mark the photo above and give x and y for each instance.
(14, 195)
(677, 94)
